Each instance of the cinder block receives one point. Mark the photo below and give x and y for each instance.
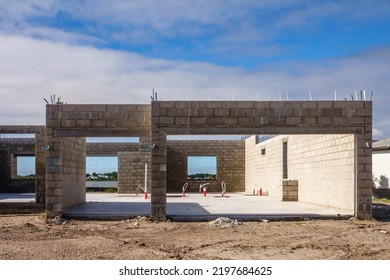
(191, 112)
(213, 121)
(309, 104)
(214, 104)
(219, 112)
(230, 121)
(174, 112)
(261, 121)
(292, 120)
(83, 123)
(82, 108)
(236, 112)
(356, 120)
(277, 121)
(68, 108)
(316, 112)
(325, 104)
(245, 120)
(229, 105)
(98, 123)
(199, 120)
(340, 120)
(335, 112)
(68, 123)
(277, 104)
(324, 120)
(205, 112)
(166, 120)
(166, 104)
(245, 104)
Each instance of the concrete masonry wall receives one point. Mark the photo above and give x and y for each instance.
(263, 117)
(40, 167)
(322, 164)
(230, 164)
(110, 149)
(131, 171)
(73, 171)
(72, 120)
(64, 122)
(65, 176)
(10, 148)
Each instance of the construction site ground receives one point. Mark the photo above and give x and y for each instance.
(26, 234)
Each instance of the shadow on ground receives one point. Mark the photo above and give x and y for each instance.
(381, 212)
(21, 208)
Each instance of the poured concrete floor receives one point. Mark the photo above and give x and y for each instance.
(193, 207)
(197, 207)
(17, 198)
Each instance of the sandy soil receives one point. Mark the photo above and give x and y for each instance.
(29, 236)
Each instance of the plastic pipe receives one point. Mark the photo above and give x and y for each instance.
(184, 188)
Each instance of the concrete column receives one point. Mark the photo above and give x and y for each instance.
(5, 169)
(14, 167)
(363, 176)
(40, 168)
(159, 168)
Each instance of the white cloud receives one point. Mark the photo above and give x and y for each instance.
(32, 69)
(230, 26)
(377, 134)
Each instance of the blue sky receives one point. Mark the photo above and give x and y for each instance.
(202, 164)
(118, 51)
(196, 164)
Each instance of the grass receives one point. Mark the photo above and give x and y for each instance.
(381, 200)
(105, 189)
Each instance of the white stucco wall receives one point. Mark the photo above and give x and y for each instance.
(381, 167)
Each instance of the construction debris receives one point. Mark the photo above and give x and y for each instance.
(57, 220)
(224, 222)
(138, 220)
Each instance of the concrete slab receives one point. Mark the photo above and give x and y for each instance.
(195, 207)
(17, 198)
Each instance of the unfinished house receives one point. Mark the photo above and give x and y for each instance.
(315, 152)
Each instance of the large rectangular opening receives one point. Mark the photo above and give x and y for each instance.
(22, 169)
(303, 174)
(201, 167)
(102, 174)
(25, 167)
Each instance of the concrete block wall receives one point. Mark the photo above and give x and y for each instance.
(110, 149)
(131, 171)
(64, 122)
(14, 167)
(5, 167)
(73, 120)
(265, 117)
(65, 173)
(10, 149)
(264, 171)
(325, 168)
(290, 190)
(230, 164)
(73, 171)
(322, 164)
(40, 167)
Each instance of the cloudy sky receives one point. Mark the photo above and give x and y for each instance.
(118, 51)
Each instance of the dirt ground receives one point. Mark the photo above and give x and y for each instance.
(29, 236)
